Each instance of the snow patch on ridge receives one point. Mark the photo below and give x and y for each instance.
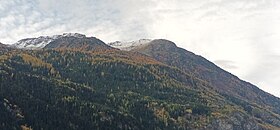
(127, 46)
(42, 41)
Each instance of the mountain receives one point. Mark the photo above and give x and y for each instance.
(167, 52)
(66, 40)
(225, 83)
(42, 41)
(71, 84)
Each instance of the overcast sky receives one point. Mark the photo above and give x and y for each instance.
(241, 36)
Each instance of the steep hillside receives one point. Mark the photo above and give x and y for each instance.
(224, 82)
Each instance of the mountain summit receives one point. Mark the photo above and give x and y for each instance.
(42, 41)
(66, 40)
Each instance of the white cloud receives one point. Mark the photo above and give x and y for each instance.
(241, 35)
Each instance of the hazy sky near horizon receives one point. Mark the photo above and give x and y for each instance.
(241, 36)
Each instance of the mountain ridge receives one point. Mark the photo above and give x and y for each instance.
(42, 41)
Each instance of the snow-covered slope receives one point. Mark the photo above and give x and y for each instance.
(127, 46)
(41, 42)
